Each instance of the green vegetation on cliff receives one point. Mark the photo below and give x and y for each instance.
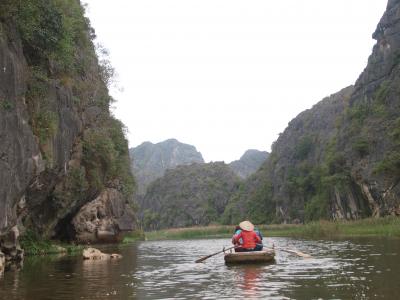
(57, 87)
(190, 195)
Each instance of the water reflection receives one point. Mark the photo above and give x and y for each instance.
(342, 269)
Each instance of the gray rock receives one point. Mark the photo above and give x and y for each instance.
(249, 163)
(2, 263)
(95, 254)
(46, 116)
(150, 161)
(103, 219)
(340, 159)
(189, 195)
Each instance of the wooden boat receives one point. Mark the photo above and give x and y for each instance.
(266, 255)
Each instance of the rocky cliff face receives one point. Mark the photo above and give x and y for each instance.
(249, 163)
(189, 195)
(60, 147)
(341, 159)
(150, 161)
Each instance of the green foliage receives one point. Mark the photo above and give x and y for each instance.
(105, 154)
(34, 244)
(38, 85)
(261, 207)
(358, 113)
(133, 236)
(40, 24)
(361, 146)
(190, 195)
(75, 186)
(317, 207)
(107, 71)
(396, 57)
(395, 132)
(51, 30)
(151, 219)
(334, 160)
(390, 165)
(311, 185)
(6, 105)
(382, 92)
(303, 147)
(46, 123)
(374, 108)
(386, 226)
(44, 120)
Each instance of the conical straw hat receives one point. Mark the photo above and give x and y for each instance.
(246, 225)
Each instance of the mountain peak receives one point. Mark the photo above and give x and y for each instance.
(150, 161)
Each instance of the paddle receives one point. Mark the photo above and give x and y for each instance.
(208, 256)
(304, 255)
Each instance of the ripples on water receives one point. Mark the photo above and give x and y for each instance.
(362, 269)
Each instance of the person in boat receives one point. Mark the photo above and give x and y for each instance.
(259, 246)
(236, 232)
(247, 239)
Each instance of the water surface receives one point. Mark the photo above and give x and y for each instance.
(366, 268)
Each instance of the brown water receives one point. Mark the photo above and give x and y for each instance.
(346, 269)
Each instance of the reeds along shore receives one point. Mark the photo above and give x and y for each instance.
(377, 227)
(384, 227)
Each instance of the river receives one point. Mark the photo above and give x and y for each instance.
(364, 268)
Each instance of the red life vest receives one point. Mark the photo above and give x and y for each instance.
(249, 239)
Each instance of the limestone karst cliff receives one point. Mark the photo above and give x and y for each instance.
(249, 162)
(340, 159)
(60, 146)
(150, 161)
(188, 195)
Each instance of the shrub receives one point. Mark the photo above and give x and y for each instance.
(390, 165)
(40, 25)
(105, 154)
(361, 146)
(75, 186)
(303, 147)
(382, 92)
(317, 207)
(6, 105)
(46, 123)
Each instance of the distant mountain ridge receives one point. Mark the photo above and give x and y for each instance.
(188, 195)
(249, 163)
(150, 161)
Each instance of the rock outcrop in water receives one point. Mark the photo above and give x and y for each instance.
(150, 161)
(340, 159)
(103, 219)
(96, 254)
(60, 147)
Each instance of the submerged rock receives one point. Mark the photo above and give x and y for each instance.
(95, 254)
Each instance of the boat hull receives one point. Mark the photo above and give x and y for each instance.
(249, 257)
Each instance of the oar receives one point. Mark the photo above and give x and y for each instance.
(304, 255)
(208, 256)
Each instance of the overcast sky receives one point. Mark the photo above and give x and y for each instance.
(228, 75)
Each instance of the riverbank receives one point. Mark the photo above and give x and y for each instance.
(33, 244)
(383, 227)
